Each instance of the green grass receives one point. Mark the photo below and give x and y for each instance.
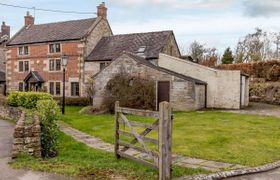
(77, 160)
(235, 138)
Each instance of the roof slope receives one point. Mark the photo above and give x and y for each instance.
(167, 71)
(108, 48)
(145, 62)
(59, 31)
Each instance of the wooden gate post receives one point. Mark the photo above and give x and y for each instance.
(117, 126)
(165, 139)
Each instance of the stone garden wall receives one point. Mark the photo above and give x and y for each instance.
(7, 112)
(27, 136)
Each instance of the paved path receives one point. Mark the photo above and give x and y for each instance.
(259, 109)
(97, 143)
(270, 175)
(6, 172)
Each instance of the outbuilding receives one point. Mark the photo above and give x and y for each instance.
(183, 92)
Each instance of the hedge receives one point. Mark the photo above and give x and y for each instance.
(269, 70)
(75, 101)
(49, 114)
(27, 100)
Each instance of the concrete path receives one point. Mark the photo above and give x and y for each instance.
(6, 172)
(259, 109)
(270, 175)
(97, 143)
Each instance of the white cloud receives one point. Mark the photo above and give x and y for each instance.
(261, 7)
(176, 3)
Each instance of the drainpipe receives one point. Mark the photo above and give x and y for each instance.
(240, 105)
(206, 95)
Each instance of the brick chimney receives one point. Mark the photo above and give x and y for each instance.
(102, 10)
(5, 30)
(28, 19)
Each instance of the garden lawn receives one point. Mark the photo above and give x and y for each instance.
(228, 137)
(77, 160)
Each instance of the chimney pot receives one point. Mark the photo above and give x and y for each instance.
(5, 30)
(28, 19)
(102, 10)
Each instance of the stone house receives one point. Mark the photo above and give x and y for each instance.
(36, 51)
(183, 92)
(147, 45)
(225, 88)
(4, 37)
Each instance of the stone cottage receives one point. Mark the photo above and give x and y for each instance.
(4, 37)
(147, 45)
(183, 92)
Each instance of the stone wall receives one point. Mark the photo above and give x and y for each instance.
(182, 92)
(7, 112)
(27, 137)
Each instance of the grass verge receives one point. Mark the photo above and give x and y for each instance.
(77, 160)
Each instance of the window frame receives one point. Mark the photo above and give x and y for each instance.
(55, 65)
(23, 51)
(77, 89)
(24, 68)
(55, 50)
(105, 64)
(54, 89)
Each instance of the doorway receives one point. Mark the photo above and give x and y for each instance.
(163, 92)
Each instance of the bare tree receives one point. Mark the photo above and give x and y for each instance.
(254, 47)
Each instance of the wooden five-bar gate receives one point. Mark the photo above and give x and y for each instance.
(161, 159)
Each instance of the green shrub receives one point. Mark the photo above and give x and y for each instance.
(75, 101)
(131, 91)
(27, 99)
(49, 114)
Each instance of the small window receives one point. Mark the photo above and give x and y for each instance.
(57, 88)
(102, 66)
(51, 65)
(141, 49)
(20, 66)
(51, 90)
(55, 64)
(54, 48)
(58, 64)
(75, 89)
(23, 50)
(21, 86)
(23, 66)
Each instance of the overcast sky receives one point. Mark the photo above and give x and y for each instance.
(218, 23)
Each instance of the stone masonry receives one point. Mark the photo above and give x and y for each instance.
(27, 137)
(185, 94)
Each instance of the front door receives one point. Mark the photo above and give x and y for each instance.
(163, 91)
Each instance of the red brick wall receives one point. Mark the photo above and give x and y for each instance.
(39, 59)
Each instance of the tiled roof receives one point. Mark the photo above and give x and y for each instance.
(167, 71)
(108, 48)
(181, 76)
(34, 76)
(60, 31)
(2, 76)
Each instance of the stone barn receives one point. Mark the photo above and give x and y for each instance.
(183, 92)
